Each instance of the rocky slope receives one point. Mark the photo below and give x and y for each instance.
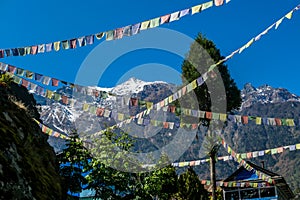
(28, 168)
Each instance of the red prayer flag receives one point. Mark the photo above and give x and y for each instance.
(245, 119)
(73, 43)
(166, 124)
(64, 99)
(54, 82)
(278, 121)
(25, 83)
(208, 115)
(34, 50)
(100, 111)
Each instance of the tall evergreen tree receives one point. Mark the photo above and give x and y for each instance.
(203, 54)
(74, 163)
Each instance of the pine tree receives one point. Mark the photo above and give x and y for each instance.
(203, 53)
(198, 61)
(74, 163)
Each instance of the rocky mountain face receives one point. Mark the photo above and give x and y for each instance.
(66, 119)
(264, 101)
(28, 166)
(265, 94)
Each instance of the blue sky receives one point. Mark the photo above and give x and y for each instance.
(273, 60)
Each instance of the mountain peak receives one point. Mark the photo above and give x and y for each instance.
(265, 94)
(248, 87)
(132, 85)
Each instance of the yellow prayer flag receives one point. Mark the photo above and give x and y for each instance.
(85, 107)
(267, 151)
(149, 105)
(258, 120)
(290, 122)
(170, 99)
(50, 131)
(249, 43)
(289, 15)
(196, 9)
(120, 116)
(194, 84)
(223, 117)
(56, 45)
(298, 146)
(145, 25)
(49, 94)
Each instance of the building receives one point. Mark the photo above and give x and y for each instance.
(244, 184)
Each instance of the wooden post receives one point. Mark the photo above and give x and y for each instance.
(213, 173)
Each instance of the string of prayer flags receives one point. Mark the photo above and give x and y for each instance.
(45, 80)
(136, 102)
(237, 183)
(240, 159)
(48, 131)
(249, 155)
(258, 37)
(115, 34)
(101, 112)
(183, 90)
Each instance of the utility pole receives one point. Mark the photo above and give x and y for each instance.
(212, 158)
(213, 175)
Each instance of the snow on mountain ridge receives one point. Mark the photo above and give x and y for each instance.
(133, 85)
(265, 94)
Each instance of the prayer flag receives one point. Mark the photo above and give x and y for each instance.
(207, 5)
(89, 39)
(154, 22)
(218, 2)
(135, 28)
(165, 19)
(41, 48)
(174, 16)
(118, 33)
(289, 15)
(145, 25)
(65, 44)
(184, 12)
(34, 50)
(73, 43)
(109, 35)
(56, 46)
(49, 47)
(99, 36)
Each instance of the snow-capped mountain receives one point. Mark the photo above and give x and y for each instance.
(265, 94)
(66, 118)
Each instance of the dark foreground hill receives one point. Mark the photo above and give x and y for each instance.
(28, 169)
